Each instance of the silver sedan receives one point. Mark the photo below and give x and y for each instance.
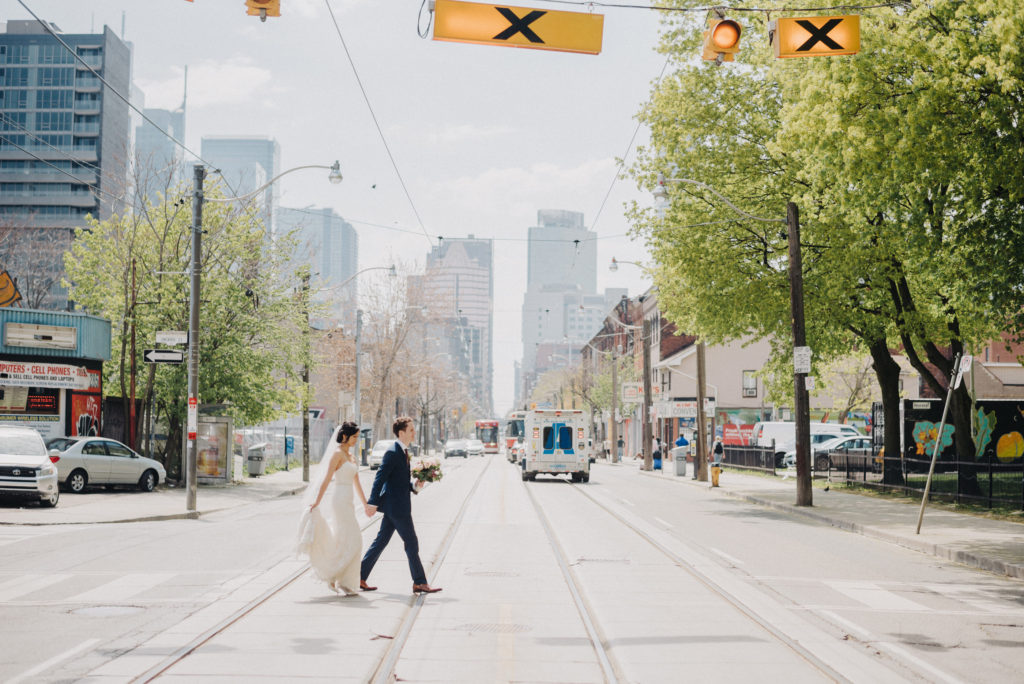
(84, 461)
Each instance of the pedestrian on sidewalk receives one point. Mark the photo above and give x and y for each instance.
(330, 535)
(715, 458)
(390, 494)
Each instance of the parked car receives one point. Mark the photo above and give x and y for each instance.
(820, 459)
(475, 447)
(380, 448)
(456, 447)
(84, 461)
(26, 470)
(787, 450)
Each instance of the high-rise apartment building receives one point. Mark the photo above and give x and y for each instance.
(64, 147)
(561, 308)
(329, 245)
(457, 291)
(246, 163)
(158, 160)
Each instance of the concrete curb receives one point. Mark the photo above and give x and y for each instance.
(944, 551)
(187, 515)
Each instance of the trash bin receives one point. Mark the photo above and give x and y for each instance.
(657, 464)
(257, 460)
(679, 456)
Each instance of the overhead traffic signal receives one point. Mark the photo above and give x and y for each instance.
(263, 8)
(722, 40)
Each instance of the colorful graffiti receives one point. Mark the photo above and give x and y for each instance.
(998, 427)
(925, 434)
(9, 295)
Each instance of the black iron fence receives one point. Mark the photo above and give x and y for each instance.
(987, 482)
(750, 458)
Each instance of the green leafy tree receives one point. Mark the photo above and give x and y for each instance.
(250, 354)
(905, 161)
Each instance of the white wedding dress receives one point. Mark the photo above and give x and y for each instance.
(336, 544)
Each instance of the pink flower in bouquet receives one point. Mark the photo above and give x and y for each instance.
(426, 469)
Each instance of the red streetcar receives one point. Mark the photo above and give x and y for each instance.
(487, 432)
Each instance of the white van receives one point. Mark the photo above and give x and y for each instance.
(785, 431)
(556, 444)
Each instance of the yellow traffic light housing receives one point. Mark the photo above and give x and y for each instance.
(263, 8)
(722, 40)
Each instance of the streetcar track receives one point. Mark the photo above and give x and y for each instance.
(788, 641)
(384, 670)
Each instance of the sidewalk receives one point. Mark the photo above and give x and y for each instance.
(993, 545)
(166, 503)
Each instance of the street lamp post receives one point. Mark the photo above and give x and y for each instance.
(192, 417)
(801, 402)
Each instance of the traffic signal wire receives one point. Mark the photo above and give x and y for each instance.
(376, 123)
(711, 8)
(46, 25)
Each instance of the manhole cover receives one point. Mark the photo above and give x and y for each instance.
(107, 611)
(494, 628)
(492, 573)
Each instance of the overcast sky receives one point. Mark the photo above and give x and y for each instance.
(483, 136)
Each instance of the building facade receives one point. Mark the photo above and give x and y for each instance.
(329, 246)
(246, 163)
(65, 142)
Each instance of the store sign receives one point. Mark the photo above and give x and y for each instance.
(60, 376)
(683, 409)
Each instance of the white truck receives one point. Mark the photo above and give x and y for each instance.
(556, 444)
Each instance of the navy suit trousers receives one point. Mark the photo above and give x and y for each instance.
(388, 526)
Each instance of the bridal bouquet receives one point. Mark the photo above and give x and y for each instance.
(426, 470)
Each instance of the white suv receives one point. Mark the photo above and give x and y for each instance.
(26, 470)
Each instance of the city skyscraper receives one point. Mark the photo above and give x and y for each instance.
(246, 163)
(457, 289)
(64, 148)
(158, 160)
(329, 245)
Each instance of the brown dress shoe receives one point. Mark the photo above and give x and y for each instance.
(424, 589)
(363, 586)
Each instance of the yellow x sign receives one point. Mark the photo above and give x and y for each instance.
(524, 27)
(816, 36)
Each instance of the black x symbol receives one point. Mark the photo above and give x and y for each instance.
(517, 25)
(819, 35)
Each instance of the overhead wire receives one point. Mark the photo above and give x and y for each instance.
(376, 123)
(94, 188)
(46, 26)
(731, 8)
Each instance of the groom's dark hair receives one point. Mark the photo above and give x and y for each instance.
(401, 423)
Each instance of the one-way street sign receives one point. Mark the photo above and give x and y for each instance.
(164, 356)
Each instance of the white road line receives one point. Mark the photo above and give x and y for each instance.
(897, 651)
(872, 595)
(974, 596)
(60, 657)
(27, 585)
(668, 525)
(731, 559)
(121, 588)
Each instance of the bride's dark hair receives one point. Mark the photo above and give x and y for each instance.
(348, 428)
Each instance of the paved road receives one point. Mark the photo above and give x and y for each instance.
(628, 578)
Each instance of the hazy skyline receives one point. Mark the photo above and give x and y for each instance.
(484, 137)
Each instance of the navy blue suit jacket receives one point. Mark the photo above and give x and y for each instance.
(393, 484)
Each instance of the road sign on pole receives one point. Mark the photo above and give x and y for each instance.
(523, 27)
(164, 356)
(815, 36)
(172, 337)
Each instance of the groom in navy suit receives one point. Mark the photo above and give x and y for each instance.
(390, 493)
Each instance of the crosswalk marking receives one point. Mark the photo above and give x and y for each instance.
(873, 596)
(22, 586)
(121, 588)
(973, 596)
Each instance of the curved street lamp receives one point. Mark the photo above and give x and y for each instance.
(192, 419)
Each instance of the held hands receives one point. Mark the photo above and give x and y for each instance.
(369, 510)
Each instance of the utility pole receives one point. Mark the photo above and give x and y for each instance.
(305, 382)
(355, 402)
(131, 400)
(800, 401)
(647, 435)
(700, 461)
(615, 403)
(192, 421)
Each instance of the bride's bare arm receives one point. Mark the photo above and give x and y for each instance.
(359, 489)
(331, 467)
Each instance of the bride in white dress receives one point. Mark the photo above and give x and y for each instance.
(331, 536)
